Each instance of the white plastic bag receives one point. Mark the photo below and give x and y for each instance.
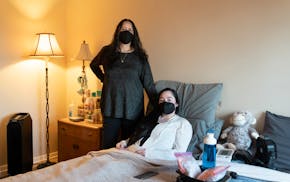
(187, 164)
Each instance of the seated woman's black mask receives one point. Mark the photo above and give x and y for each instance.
(166, 107)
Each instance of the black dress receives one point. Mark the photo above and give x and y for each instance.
(125, 76)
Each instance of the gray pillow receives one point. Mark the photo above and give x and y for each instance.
(277, 128)
(200, 128)
(198, 103)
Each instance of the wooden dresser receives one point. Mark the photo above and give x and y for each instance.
(77, 138)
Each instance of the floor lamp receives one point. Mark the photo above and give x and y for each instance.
(47, 47)
(84, 55)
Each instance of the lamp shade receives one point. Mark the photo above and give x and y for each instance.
(84, 53)
(47, 45)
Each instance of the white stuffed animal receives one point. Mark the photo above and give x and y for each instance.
(240, 134)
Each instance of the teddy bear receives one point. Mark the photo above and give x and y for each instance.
(239, 134)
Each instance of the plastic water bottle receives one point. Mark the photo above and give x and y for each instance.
(71, 110)
(209, 151)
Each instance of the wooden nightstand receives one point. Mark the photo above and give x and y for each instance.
(77, 138)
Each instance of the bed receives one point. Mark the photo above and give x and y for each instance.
(119, 165)
(198, 103)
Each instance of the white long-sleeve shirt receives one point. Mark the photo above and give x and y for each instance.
(167, 137)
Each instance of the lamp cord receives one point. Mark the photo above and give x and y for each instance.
(47, 118)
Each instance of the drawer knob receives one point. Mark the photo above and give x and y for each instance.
(76, 146)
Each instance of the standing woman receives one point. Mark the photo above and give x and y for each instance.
(126, 72)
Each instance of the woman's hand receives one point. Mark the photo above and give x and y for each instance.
(141, 152)
(121, 145)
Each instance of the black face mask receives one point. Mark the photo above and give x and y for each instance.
(125, 37)
(167, 107)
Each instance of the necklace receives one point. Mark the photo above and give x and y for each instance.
(123, 57)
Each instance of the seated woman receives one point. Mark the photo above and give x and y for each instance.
(160, 140)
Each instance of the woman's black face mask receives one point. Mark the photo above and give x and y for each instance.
(166, 107)
(125, 37)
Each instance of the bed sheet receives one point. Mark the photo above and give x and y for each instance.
(256, 173)
(101, 166)
(120, 165)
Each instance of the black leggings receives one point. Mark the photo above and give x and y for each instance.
(111, 129)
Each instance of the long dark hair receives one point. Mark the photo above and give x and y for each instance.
(174, 93)
(136, 42)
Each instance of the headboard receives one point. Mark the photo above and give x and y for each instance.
(198, 103)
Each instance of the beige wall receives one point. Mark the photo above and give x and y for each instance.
(243, 44)
(22, 78)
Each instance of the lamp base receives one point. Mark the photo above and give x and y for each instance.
(46, 164)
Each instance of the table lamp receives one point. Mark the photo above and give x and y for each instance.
(84, 55)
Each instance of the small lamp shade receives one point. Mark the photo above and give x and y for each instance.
(47, 45)
(84, 53)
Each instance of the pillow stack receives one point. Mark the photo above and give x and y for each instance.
(277, 128)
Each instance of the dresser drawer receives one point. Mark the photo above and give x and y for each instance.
(75, 147)
(77, 139)
(79, 132)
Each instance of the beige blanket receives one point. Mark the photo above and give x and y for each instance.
(102, 166)
(117, 165)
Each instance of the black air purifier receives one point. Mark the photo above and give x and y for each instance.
(19, 144)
